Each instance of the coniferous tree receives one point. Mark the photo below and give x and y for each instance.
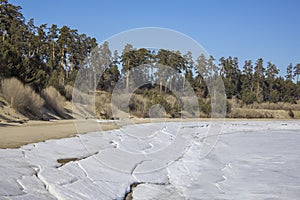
(229, 71)
(272, 93)
(111, 74)
(166, 62)
(247, 88)
(201, 76)
(127, 58)
(289, 72)
(297, 72)
(11, 44)
(258, 78)
(190, 68)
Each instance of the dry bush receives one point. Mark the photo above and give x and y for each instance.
(157, 111)
(291, 113)
(81, 102)
(69, 92)
(190, 107)
(261, 113)
(121, 102)
(54, 99)
(172, 100)
(22, 98)
(250, 113)
(297, 114)
(235, 103)
(137, 106)
(80, 97)
(275, 106)
(103, 105)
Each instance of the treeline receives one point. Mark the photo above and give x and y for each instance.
(43, 56)
(250, 82)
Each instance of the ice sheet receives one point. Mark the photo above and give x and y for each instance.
(251, 160)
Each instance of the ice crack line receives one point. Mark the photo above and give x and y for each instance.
(64, 161)
(44, 182)
(129, 192)
(136, 165)
(86, 174)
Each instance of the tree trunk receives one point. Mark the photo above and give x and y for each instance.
(183, 83)
(127, 80)
(29, 49)
(170, 84)
(166, 86)
(71, 65)
(62, 65)
(297, 85)
(94, 81)
(128, 75)
(257, 92)
(53, 55)
(160, 85)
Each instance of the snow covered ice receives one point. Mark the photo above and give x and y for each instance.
(251, 160)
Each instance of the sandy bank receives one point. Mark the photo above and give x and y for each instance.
(15, 135)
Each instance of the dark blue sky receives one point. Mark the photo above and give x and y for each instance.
(247, 29)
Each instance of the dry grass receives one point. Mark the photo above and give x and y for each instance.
(296, 114)
(138, 106)
(69, 92)
(190, 107)
(260, 113)
(275, 106)
(22, 98)
(8, 114)
(278, 110)
(54, 99)
(103, 105)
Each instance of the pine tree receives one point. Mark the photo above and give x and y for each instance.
(229, 71)
(127, 59)
(248, 94)
(271, 74)
(52, 47)
(164, 64)
(201, 75)
(259, 80)
(297, 72)
(289, 72)
(190, 68)
(211, 68)
(12, 47)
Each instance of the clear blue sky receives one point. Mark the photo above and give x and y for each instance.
(247, 29)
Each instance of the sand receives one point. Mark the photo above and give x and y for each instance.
(14, 136)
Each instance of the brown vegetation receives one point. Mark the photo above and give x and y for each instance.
(280, 110)
(20, 102)
(54, 100)
(22, 98)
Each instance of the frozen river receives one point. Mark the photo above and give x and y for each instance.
(251, 160)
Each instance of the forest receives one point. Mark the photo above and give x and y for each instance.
(45, 55)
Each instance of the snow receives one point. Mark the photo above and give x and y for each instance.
(251, 160)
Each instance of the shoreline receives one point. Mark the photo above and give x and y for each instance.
(13, 135)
